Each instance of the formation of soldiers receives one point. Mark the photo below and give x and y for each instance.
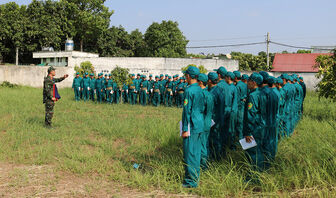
(223, 107)
(162, 90)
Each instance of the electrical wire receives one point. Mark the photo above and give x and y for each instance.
(231, 45)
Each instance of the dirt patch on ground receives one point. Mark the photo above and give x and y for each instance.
(45, 181)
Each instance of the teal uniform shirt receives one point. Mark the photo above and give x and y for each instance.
(216, 135)
(193, 119)
(86, 86)
(116, 95)
(99, 87)
(233, 103)
(131, 92)
(143, 93)
(76, 85)
(208, 112)
(156, 95)
(241, 99)
(125, 93)
(92, 88)
(254, 125)
(169, 92)
(180, 94)
(225, 116)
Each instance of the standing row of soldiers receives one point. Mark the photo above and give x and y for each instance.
(165, 90)
(224, 107)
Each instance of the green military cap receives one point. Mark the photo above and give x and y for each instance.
(91, 74)
(237, 74)
(110, 75)
(245, 76)
(105, 74)
(161, 75)
(264, 74)
(166, 75)
(156, 76)
(177, 75)
(230, 75)
(271, 80)
(169, 77)
(301, 78)
(86, 73)
(202, 77)
(285, 76)
(77, 73)
(138, 74)
(144, 76)
(212, 76)
(279, 80)
(150, 75)
(192, 71)
(290, 78)
(51, 68)
(256, 77)
(221, 70)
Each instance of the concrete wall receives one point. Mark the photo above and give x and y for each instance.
(33, 75)
(153, 66)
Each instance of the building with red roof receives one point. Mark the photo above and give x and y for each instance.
(295, 63)
(301, 64)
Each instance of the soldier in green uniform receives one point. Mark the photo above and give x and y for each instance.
(104, 81)
(132, 91)
(76, 86)
(254, 124)
(163, 83)
(109, 89)
(208, 113)
(215, 136)
(150, 91)
(116, 94)
(169, 92)
(156, 89)
(137, 87)
(48, 94)
(92, 87)
(124, 93)
(144, 91)
(85, 86)
(175, 83)
(241, 99)
(180, 93)
(192, 127)
(233, 105)
(99, 88)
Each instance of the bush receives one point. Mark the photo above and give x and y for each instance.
(121, 76)
(201, 68)
(8, 85)
(85, 67)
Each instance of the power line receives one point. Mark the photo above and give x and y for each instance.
(231, 45)
(298, 47)
(224, 39)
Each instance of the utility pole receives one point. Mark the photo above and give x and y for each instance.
(17, 56)
(267, 50)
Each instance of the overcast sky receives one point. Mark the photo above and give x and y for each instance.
(221, 22)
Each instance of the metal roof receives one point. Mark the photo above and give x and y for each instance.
(295, 62)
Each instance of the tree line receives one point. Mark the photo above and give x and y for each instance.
(49, 23)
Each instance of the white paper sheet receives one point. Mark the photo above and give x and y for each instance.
(245, 145)
(88, 89)
(212, 123)
(181, 126)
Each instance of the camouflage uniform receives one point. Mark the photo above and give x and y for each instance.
(48, 85)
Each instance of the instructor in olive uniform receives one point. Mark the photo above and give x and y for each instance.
(48, 94)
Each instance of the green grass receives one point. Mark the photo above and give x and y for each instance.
(91, 139)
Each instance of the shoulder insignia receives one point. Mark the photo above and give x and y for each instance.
(249, 106)
(185, 102)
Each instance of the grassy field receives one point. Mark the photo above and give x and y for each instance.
(106, 140)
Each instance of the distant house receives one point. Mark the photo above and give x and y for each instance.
(301, 64)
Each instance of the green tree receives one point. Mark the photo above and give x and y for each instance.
(13, 27)
(120, 76)
(201, 68)
(115, 41)
(165, 39)
(138, 43)
(90, 18)
(300, 51)
(85, 67)
(250, 62)
(327, 71)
